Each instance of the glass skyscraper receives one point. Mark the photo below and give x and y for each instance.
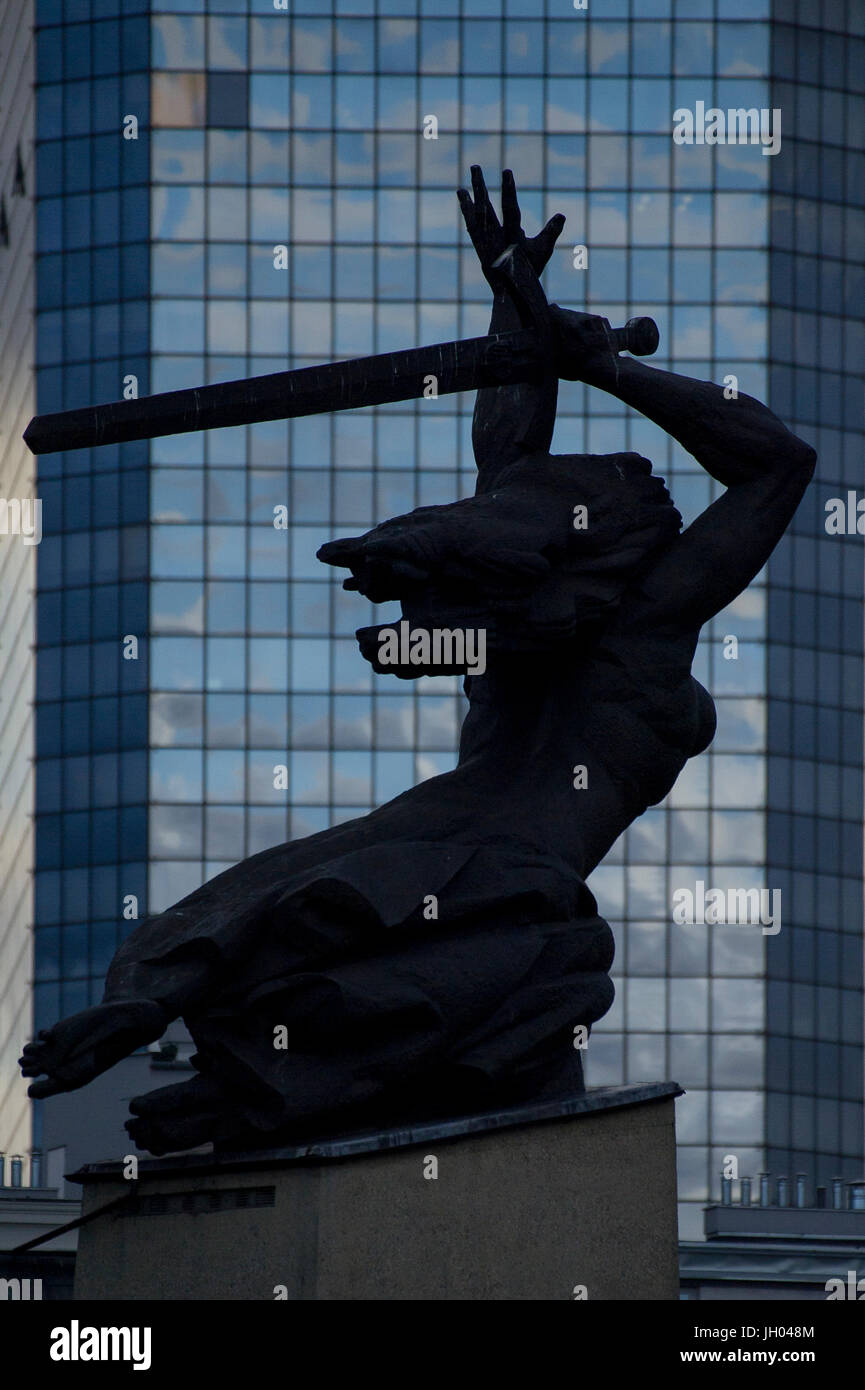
(816, 230)
(227, 189)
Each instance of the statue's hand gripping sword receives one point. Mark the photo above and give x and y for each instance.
(500, 359)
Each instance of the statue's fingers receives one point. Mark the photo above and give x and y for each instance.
(511, 217)
(40, 1089)
(483, 206)
(548, 236)
(341, 552)
(469, 212)
(552, 231)
(32, 1063)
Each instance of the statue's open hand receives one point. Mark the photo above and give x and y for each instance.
(491, 237)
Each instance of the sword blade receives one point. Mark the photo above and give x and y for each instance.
(496, 360)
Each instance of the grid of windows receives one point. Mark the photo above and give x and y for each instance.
(92, 338)
(296, 212)
(814, 820)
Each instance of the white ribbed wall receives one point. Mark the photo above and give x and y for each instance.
(17, 570)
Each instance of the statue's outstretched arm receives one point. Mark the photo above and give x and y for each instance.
(739, 441)
(509, 421)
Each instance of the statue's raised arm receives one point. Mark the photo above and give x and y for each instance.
(509, 421)
(764, 467)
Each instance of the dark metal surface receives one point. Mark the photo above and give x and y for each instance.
(494, 360)
(361, 381)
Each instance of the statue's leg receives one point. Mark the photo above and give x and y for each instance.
(182, 1116)
(86, 1044)
(141, 998)
(202, 1110)
(465, 1021)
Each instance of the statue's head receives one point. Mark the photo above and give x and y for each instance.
(610, 517)
(628, 511)
(538, 559)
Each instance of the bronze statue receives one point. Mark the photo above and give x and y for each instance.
(591, 598)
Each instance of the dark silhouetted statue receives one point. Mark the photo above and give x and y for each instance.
(437, 955)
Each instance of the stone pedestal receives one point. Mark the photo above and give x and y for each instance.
(535, 1202)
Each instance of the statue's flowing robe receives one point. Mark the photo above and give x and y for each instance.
(445, 952)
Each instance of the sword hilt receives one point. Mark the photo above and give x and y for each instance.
(639, 337)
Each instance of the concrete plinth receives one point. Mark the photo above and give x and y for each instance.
(535, 1202)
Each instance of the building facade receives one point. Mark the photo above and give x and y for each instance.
(227, 189)
(93, 311)
(814, 596)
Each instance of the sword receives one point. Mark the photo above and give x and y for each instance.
(499, 359)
